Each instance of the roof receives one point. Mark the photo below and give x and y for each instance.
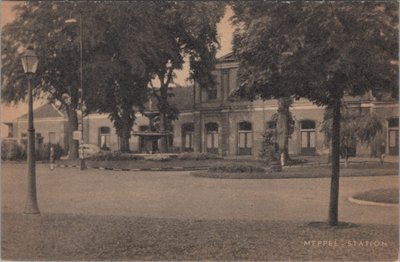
(230, 57)
(44, 111)
(182, 98)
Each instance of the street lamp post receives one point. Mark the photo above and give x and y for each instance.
(29, 63)
(80, 92)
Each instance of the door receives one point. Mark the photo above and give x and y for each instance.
(393, 136)
(245, 138)
(212, 143)
(394, 142)
(307, 137)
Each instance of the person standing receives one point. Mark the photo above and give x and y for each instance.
(52, 158)
(383, 149)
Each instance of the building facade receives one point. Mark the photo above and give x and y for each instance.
(218, 124)
(50, 126)
(211, 121)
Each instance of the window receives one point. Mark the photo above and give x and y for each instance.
(39, 139)
(212, 90)
(187, 137)
(245, 136)
(144, 128)
(393, 136)
(10, 131)
(171, 137)
(212, 138)
(24, 140)
(271, 124)
(52, 138)
(307, 137)
(104, 137)
(225, 81)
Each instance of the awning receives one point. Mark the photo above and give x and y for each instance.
(152, 134)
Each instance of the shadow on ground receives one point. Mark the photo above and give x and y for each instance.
(80, 237)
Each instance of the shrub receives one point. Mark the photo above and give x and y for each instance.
(11, 150)
(113, 156)
(157, 157)
(235, 167)
(269, 148)
(293, 162)
(198, 156)
(43, 151)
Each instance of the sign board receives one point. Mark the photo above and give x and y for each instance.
(77, 135)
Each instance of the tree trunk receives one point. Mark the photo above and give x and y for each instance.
(163, 120)
(282, 127)
(124, 138)
(334, 194)
(73, 145)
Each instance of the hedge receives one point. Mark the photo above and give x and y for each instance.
(198, 156)
(11, 150)
(235, 167)
(113, 156)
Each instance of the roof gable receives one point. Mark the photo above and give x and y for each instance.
(181, 97)
(230, 57)
(44, 111)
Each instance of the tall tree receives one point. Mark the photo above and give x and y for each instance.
(43, 25)
(116, 75)
(259, 27)
(337, 49)
(182, 30)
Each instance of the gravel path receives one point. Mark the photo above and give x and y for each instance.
(181, 196)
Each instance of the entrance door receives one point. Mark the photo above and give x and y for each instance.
(307, 136)
(212, 143)
(187, 137)
(393, 124)
(245, 137)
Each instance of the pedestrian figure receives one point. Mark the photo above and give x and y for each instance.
(383, 149)
(52, 158)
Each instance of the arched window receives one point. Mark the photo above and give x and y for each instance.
(104, 137)
(144, 128)
(187, 137)
(245, 138)
(271, 124)
(307, 137)
(212, 138)
(393, 136)
(212, 91)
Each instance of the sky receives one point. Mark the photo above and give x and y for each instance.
(10, 112)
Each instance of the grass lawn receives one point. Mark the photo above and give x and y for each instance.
(78, 237)
(389, 195)
(308, 172)
(135, 164)
(172, 163)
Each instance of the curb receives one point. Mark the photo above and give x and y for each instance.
(370, 203)
(178, 168)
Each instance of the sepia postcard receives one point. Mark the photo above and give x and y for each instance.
(199, 130)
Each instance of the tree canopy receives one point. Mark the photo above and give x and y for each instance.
(125, 46)
(182, 30)
(321, 51)
(318, 50)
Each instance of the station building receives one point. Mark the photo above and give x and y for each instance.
(210, 121)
